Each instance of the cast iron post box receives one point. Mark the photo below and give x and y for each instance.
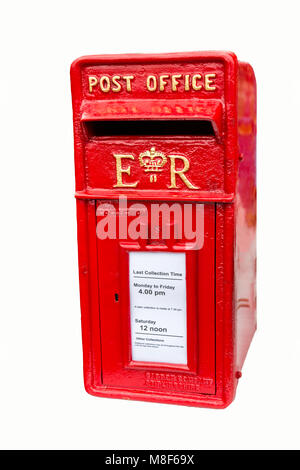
(165, 187)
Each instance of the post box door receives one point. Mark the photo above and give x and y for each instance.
(157, 313)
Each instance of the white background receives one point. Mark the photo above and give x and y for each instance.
(42, 400)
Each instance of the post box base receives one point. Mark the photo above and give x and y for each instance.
(199, 400)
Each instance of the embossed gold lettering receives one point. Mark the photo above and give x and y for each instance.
(175, 81)
(104, 83)
(151, 83)
(115, 81)
(186, 82)
(128, 79)
(196, 86)
(120, 171)
(92, 82)
(163, 82)
(208, 80)
(180, 172)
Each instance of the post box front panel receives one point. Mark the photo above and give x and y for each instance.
(185, 164)
(174, 111)
(157, 316)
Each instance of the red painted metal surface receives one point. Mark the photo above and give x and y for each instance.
(210, 88)
(118, 368)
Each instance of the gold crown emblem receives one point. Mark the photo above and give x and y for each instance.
(152, 160)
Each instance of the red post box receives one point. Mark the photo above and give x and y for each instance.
(165, 187)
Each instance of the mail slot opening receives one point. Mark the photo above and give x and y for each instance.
(187, 127)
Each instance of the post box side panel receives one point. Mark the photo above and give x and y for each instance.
(245, 214)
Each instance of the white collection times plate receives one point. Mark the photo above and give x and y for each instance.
(158, 307)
